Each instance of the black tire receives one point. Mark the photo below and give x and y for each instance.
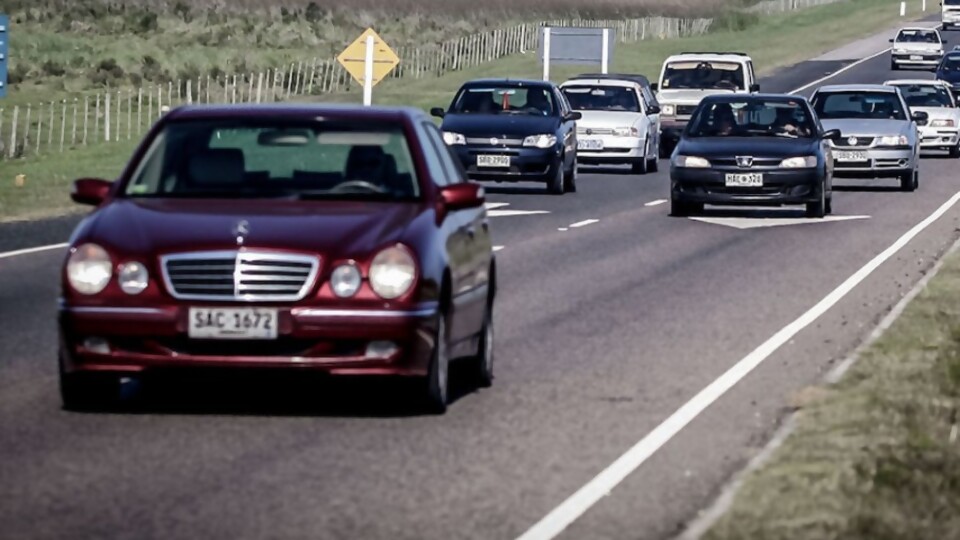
(665, 150)
(653, 165)
(570, 179)
(684, 209)
(909, 181)
(893, 66)
(482, 363)
(818, 209)
(639, 168)
(829, 207)
(955, 151)
(556, 184)
(438, 377)
(88, 391)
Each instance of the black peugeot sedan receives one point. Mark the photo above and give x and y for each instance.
(757, 150)
(509, 130)
(949, 71)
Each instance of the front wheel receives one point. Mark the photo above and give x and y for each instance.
(955, 151)
(818, 209)
(556, 184)
(570, 179)
(910, 181)
(438, 376)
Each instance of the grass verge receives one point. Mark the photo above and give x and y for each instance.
(772, 44)
(875, 456)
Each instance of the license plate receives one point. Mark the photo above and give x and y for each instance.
(916, 57)
(744, 180)
(233, 323)
(590, 144)
(493, 161)
(850, 156)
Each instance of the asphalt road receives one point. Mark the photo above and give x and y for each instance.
(603, 330)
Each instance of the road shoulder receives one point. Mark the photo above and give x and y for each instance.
(873, 451)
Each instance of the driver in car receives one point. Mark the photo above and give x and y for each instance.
(786, 123)
(537, 102)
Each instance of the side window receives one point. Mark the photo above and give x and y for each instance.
(753, 77)
(650, 96)
(562, 101)
(453, 172)
(644, 100)
(432, 153)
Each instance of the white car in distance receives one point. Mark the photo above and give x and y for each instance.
(620, 122)
(942, 129)
(916, 47)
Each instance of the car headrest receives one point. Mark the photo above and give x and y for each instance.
(363, 159)
(220, 166)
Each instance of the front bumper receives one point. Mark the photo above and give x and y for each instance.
(879, 162)
(923, 59)
(614, 150)
(333, 341)
(780, 186)
(526, 164)
(938, 137)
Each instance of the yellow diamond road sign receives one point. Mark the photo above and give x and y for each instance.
(354, 57)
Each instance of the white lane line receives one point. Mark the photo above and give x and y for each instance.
(845, 68)
(584, 223)
(656, 202)
(497, 248)
(28, 251)
(563, 229)
(492, 205)
(601, 485)
(502, 213)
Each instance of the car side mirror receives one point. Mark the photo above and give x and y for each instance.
(573, 116)
(920, 117)
(438, 112)
(754, 87)
(92, 191)
(890, 40)
(462, 196)
(653, 109)
(832, 134)
(653, 87)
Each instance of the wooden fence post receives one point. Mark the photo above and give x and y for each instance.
(13, 133)
(86, 117)
(106, 117)
(73, 131)
(63, 125)
(26, 130)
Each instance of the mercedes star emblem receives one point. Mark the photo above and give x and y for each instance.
(240, 230)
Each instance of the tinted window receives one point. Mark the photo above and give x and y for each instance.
(697, 74)
(437, 171)
(951, 62)
(505, 99)
(925, 95)
(602, 98)
(854, 104)
(753, 118)
(276, 159)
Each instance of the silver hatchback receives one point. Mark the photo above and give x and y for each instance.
(879, 134)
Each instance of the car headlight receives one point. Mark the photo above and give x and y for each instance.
(89, 269)
(392, 272)
(800, 162)
(893, 140)
(943, 122)
(668, 110)
(540, 141)
(626, 132)
(133, 277)
(454, 138)
(345, 280)
(692, 162)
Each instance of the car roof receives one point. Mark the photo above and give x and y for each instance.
(295, 110)
(521, 82)
(935, 82)
(917, 29)
(613, 77)
(717, 56)
(856, 87)
(755, 96)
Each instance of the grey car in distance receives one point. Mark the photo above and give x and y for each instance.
(881, 136)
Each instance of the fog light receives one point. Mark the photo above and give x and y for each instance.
(96, 345)
(381, 349)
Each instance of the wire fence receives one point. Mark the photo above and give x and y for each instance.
(125, 114)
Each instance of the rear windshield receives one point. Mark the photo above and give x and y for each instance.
(229, 159)
(702, 75)
(506, 99)
(856, 104)
(602, 98)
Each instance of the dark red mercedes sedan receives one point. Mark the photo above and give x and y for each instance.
(344, 239)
